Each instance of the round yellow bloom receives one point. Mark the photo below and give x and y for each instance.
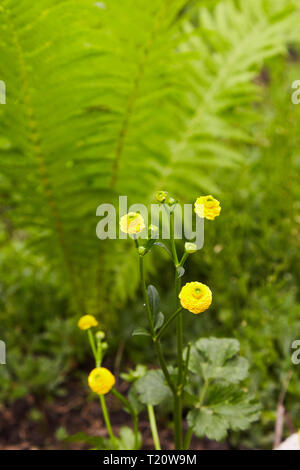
(87, 321)
(207, 207)
(132, 223)
(101, 380)
(195, 297)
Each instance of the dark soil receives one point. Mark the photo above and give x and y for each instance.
(33, 424)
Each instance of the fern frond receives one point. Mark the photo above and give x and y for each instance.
(120, 98)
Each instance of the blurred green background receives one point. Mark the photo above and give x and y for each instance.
(126, 98)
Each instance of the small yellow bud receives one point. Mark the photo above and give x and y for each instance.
(153, 229)
(171, 201)
(160, 196)
(142, 250)
(190, 248)
(100, 335)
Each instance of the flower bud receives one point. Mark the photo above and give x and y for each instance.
(100, 335)
(142, 250)
(171, 201)
(161, 196)
(190, 248)
(153, 230)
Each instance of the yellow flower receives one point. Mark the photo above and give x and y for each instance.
(132, 223)
(101, 380)
(87, 321)
(207, 207)
(195, 297)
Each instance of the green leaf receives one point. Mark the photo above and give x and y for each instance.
(154, 300)
(126, 439)
(95, 442)
(160, 319)
(164, 247)
(152, 389)
(133, 374)
(217, 359)
(150, 244)
(226, 408)
(139, 331)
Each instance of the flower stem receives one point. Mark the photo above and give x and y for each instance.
(179, 333)
(145, 294)
(163, 365)
(153, 427)
(107, 421)
(93, 345)
(189, 434)
(132, 411)
(168, 322)
(157, 344)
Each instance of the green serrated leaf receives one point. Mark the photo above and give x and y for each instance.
(152, 389)
(160, 319)
(217, 350)
(141, 332)
(217, 359)
(225, 408)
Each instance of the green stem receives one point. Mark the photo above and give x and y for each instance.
(163, 366)
(153, 427)
(189, 434)
(186, 366)
(151, 323)
(178, 420)
(179, 334)
(93, 345)
(145, 294)
(183, 259)
(168, 322)
(203, 392)
(132, 411)
(173, 246)
(187, 439)
(107, 421)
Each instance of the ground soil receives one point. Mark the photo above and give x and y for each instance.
(32, 424)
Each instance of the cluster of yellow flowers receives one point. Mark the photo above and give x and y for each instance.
(194, 296)
(205, 207)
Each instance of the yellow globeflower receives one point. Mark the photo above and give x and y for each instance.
(132, 223)
(87, 321)
(207, 207)
(195, 297)
(101, 380)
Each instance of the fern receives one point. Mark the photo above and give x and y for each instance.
(113, 98)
